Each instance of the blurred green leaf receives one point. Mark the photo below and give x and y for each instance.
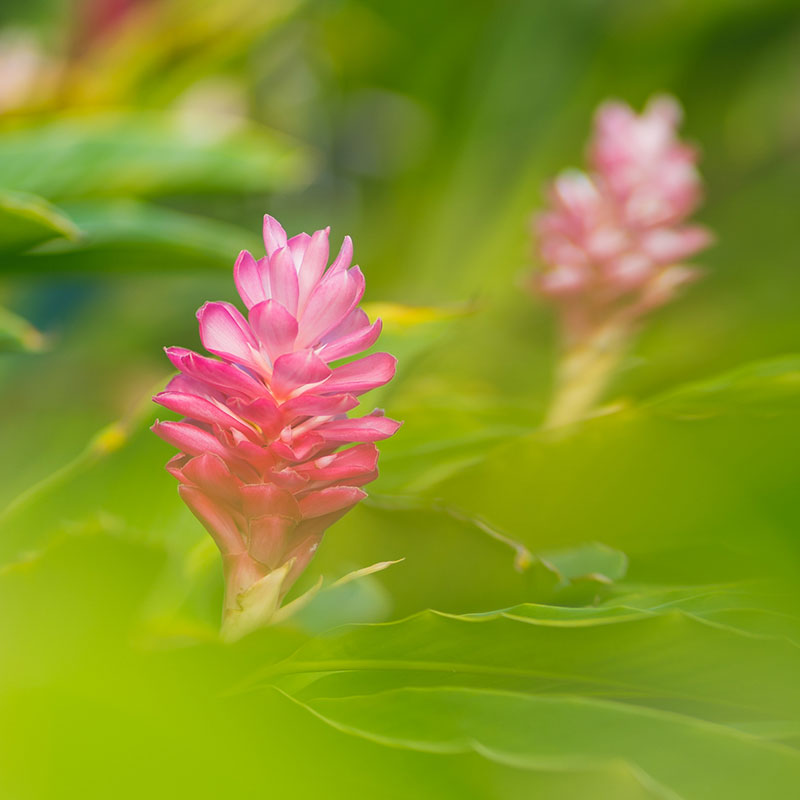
(587, 560)
(688, 500)
(127, 236)
(82, 594)
(764, 388)
(18, 334)
(583, 574)
(144, 153)
(160, 55)
(81, 665)
(27, 220)
(751, 608)
(673, 755)
(443, 435)
(707, 672)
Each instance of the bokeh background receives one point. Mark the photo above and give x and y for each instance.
(141, 141)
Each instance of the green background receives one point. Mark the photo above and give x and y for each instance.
(648, 557)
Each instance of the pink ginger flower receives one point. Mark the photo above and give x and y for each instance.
(264, 463)
(614, 241)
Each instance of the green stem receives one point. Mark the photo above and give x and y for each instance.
(584, 373)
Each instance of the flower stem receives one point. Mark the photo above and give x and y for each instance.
(584, 373)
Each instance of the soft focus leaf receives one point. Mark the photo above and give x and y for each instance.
(708, 672)
(592, 559)
(763, 388)
(540, 733)
(126, 236)
(140, 153)
(27, 220)
(687, 500)
(18, 334)
(83, 668)
(440, 437)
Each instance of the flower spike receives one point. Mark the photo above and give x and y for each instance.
(266, 462)
(614, 243)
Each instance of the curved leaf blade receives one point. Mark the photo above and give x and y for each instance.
(27, 220)
(680, 756)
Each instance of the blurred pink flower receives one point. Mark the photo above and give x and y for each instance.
(261, 462)
(27, 72)
(614, 241)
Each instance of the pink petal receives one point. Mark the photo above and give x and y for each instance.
(176, 464)
(345, 257)
(361, 479)
(274, 235)
(289, 479)
(215, 518)
(247, 277)
(359, 460)
(211, 474)
(262, 499)
(315, 259)
(200, 409)
(295, 370)
(330, 500)
(670, 245)
(263, 412)
(297, 247)
(217, 374)
(314, 527)
(255, 459)
(353, 343)
(362, 375)
(354, 321)
(308, 445)
(274, 326)
(189, 438)
(224, 332)
(283, 281)
(364, 429)
(269, 536)
(183, 384)
(332, 300)
(311, 405)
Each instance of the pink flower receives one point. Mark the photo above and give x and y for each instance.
(614, 241)
(264, 462)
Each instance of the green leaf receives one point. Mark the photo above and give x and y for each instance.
(18, 334)
(127, 236)
(667, 694)
(144, 153)
(79, 666)
(81, 593)
(573, 576)
(592, 561)
(748, 608)
(762, 387)
(27, 220)
(688, 500)
(670, 658)
(675, 756)
(442, 437)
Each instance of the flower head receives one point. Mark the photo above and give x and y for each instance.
(614, 241)
(264, 461)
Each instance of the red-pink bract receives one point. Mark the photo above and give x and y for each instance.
(614, 241)
(268, 457)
